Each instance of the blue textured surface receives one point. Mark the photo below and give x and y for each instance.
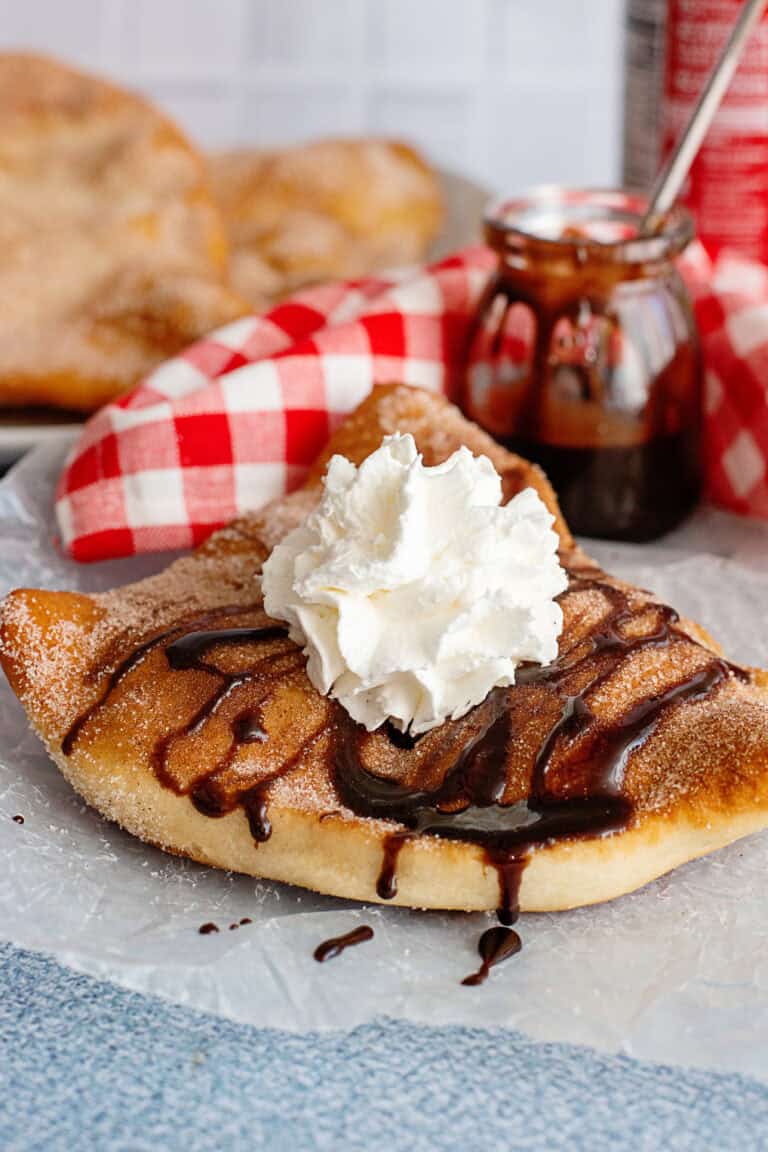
(86, 1065)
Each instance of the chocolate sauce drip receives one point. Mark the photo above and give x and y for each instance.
(509, 867)
(207, 802)
(386, 885)
(495, 946)
(207, 929)
(189, 652)
(336, 945)
(254, 801)
(469, 802)
(634, 492)
(209, 798)
(400, 739)
(18, 819)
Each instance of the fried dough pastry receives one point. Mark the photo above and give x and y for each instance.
(179, 710)
(112, 252)
(327, 210)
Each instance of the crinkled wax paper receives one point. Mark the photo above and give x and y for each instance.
(677, 972)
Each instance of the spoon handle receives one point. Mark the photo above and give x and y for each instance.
(670, 179)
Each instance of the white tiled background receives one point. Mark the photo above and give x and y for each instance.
(511, 92)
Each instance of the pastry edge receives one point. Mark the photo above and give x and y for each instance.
(341, 855)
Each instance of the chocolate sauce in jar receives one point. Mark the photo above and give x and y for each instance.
(584, 357)
(635, 492)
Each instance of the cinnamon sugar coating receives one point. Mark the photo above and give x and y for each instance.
(114, 255)
(326, 210)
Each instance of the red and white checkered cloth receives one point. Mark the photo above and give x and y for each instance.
(237, 418)
(731, 304)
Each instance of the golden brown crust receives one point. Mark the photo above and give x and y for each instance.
(113, 252)
(699, 781)
(439, 429)
(326, 210)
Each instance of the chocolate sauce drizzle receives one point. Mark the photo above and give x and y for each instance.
(469, 802)
(136, 657)
(495, 946)
(337, 944)
(386, 884)
(189, 651)
(207, 929)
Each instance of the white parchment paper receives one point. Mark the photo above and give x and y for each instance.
(677, 972)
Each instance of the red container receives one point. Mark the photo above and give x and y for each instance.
(671, 46)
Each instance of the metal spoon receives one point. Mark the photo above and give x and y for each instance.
(670, 179)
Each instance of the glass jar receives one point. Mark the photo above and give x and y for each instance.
(584, 356)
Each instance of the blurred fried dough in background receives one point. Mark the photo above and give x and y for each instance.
(112, 252)
(325, 210)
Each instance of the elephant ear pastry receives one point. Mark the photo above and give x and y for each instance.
(329, 210)
(114, 255)
(177, 708)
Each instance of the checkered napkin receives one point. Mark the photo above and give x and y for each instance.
(237, 418)
(731, 304)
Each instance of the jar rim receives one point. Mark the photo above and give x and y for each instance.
(538, 222)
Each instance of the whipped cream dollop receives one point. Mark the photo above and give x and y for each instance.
(412, 590)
